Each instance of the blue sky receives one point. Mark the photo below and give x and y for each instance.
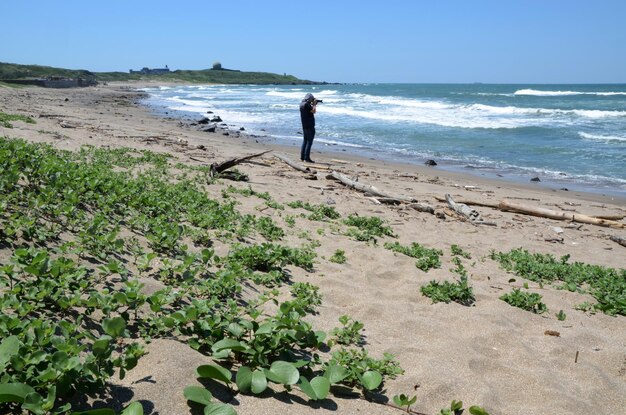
(505, 41)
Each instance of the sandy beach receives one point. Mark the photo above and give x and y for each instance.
(489, 354)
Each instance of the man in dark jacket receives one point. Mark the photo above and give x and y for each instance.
(307, 115)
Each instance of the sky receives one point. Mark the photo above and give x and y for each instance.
(410, 41)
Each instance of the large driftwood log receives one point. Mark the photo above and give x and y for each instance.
(471, 214)
(497, 205)
(369, 189)
(554, 214)
(225, 165)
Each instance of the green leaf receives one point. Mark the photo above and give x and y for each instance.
(114, 327)
(399, 400)
(477, 410)
(219, 409)
(371, 379)
(259, 382)
(14, 392)
(101, 346)
(214, 372)
(8, 348)
(317, 389)
(283, 372)
(235, 329)
(265, 328)
(456, 405)
(33, 402)
(198, 394)
(230, 344)
(134, 408)
(336, 374)
(244, 379)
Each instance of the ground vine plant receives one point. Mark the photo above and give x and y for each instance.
(77, 230)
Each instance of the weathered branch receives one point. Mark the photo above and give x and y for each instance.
(293, 164)
(220, 167)
(366, 188)
(422, 207)
(471, 214)
(554, 214)
(494, 205)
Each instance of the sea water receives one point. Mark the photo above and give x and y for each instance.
(567, 135)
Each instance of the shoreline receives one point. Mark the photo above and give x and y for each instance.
(536, 177)
(490, 354)
(449, 171)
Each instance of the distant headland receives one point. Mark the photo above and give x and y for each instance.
(48, 76)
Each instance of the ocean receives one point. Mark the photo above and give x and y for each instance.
(570, 136)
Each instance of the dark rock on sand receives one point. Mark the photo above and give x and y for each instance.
(430, 163)
(535, 179)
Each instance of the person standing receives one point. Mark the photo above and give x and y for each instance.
(307, 116)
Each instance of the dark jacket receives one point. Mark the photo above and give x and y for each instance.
(306, 115)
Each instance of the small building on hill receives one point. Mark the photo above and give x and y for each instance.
(149, 71)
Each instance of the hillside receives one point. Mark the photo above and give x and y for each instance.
(16, 71)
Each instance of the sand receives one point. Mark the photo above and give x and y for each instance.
(489, 354)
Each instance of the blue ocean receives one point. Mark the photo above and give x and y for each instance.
(571, 136)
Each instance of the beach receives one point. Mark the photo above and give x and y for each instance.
(502, 358)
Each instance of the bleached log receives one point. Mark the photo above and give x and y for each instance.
(366, 188)
(619, 240)
(494, 205)
(422, 207)
(558, 215)
(471, 214)
(497, 205)
(293, 164)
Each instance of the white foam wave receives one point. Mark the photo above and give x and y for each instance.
(539, 93)
(468, 116)
(602, 137)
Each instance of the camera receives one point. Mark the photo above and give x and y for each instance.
(317, 101)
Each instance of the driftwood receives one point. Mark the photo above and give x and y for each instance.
(422, 207)
(366, 188)
(293, 164)
(225, 165)
(471, 214)
(619, 240)
(494, 205)
(504, 205)
(553, 214)
(609, 216)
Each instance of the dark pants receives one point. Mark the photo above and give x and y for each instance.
(307, 142)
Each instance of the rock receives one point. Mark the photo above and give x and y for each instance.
(430, 162)
(210, 129)
(216, 119)
(201, 147)
(209, 112)
(226, 133)
(535, 179)
(242, 129)
(204, 120)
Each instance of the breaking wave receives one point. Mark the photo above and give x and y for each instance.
(535, 92)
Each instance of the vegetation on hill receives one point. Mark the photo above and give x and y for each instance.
(15, 71)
